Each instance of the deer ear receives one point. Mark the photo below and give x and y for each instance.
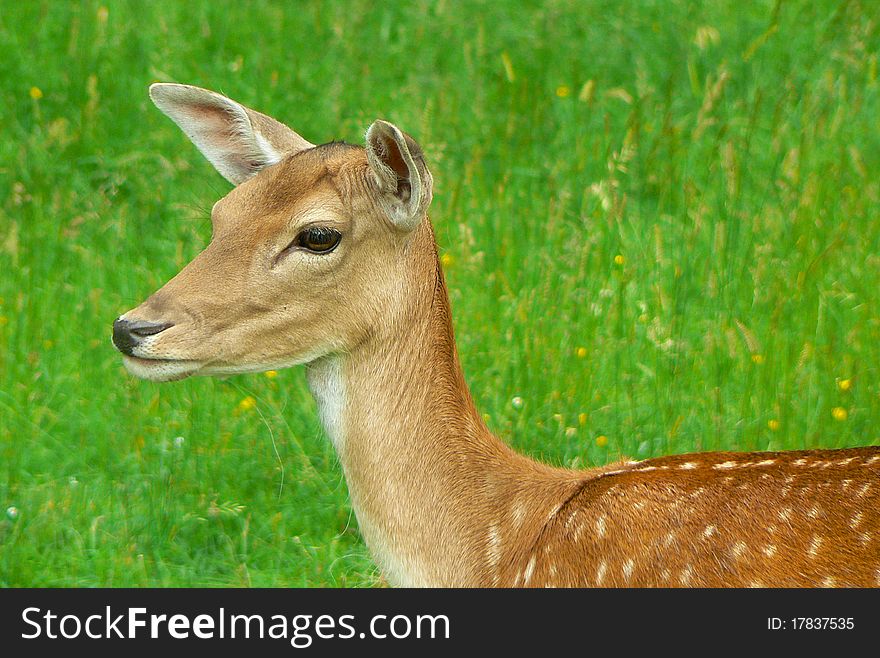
(239, 142)
(400, 172)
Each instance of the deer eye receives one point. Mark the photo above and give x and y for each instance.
(318, 239)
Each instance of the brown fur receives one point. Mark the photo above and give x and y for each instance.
(439, 499)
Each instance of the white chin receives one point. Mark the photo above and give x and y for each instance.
(157, 370)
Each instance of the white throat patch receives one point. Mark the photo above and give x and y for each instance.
(326, 383)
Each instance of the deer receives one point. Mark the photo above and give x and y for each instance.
(324, 256)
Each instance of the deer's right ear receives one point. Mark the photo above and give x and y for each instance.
(403, 179)
(238, 141)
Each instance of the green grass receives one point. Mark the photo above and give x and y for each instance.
(729, 154)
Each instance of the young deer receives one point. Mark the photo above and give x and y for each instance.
(324, 256)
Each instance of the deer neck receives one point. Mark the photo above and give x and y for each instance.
(417, 458)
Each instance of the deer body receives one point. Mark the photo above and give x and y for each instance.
(439, 500)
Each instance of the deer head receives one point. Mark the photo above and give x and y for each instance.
(309, 251)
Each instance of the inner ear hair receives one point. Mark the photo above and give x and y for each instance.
(389, 153)
(392, 156)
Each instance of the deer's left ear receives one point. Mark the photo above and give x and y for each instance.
(400, 172)
(238, 141)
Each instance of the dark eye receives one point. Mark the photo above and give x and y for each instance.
(318, 239)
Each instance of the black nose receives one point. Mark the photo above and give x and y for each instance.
(128, 333)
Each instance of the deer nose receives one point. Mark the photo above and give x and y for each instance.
(128, 333)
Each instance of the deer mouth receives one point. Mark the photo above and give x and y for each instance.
(136, 340)
(160, 370)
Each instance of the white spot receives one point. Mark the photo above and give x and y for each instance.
(670, 538)
(785, 513)
(844, 462)
(493, 542)
(855, 520)
(640, 505)
(665, 574)
(789, 479)
(552, 570)
(771, 529)
(600, 574)
(872, 460)
(600, 526)
(863, 490)
(518, 514)
(530, 569)
(815, 544)
(756, 584)
(799, 462)
(784, 491)
(724, 465)
(813, 512)
(739, 549)
(766, 462)
(864, 538)
(686, 576)
(647, 468)
(687, 466)
(845, 484)
(709, 531)
(828, 582)
(628, 569)
(770, 550)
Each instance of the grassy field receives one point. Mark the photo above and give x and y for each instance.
(660, 223)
